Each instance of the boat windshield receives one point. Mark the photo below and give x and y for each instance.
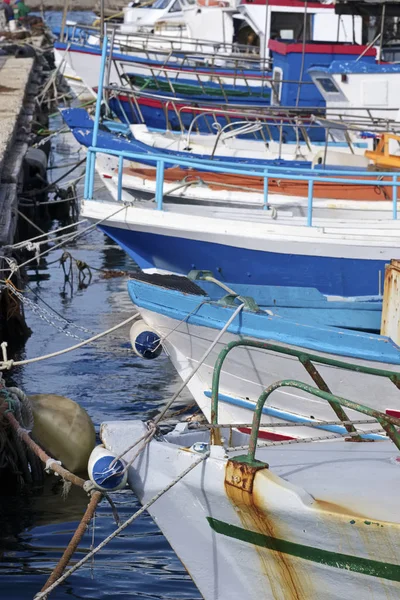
(160, 4)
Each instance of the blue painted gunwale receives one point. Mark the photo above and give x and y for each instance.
(329, 274)
(206, 313)
(309, 305)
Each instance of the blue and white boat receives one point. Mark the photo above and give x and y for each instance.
(342, 254)
(297, 327)
(341, 250)
(289, 86)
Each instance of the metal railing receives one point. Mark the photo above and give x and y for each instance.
(308, 360)
(148, 44)
(389, 424)
(160, 161)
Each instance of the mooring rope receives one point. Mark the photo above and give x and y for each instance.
(148, 437)
(53, 581)
(20, 245)
(69, 238)
(8, 364)
(121, 528)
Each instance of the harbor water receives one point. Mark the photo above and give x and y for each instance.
(111, 383)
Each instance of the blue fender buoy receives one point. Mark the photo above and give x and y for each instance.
(106, 473)
(145, 341)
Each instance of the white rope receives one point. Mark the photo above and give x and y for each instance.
(10, 363)
(69, 238)
(201, 361)
(49, 465)
(148, 436)
(164, 337)
(44, 234)
(43, 595)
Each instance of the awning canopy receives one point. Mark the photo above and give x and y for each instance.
(368, 7)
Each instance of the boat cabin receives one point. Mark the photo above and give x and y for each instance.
(292, 60)
(259, 21)
(137, 17)
(365, 87)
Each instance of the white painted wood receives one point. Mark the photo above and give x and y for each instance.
(315, 495)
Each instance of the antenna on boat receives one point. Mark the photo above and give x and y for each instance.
(101, 23)
(382, 30)
(64, 21)
(303, 50)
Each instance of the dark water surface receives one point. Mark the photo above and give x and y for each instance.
(111, 384)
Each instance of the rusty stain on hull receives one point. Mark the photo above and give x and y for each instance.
(285, 580)
(391, 302)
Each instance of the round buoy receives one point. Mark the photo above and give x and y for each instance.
(106, 473)
(64, 429)
(145, 341)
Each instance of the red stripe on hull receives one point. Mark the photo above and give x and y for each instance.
(268, 435)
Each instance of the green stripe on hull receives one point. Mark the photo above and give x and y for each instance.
(347, 562)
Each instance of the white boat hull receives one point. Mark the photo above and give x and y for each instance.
(247, 372)
(311, 527)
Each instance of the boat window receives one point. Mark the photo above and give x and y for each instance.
(176, 7)
(327, 85)
(160, 4)
(289, 26)
(391, 56)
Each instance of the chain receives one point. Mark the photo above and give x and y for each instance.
(46, 316)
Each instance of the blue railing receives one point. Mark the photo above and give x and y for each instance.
(347, 177)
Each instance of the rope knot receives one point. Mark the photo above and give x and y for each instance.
(34, 247)
(89, 487)
(48, 467)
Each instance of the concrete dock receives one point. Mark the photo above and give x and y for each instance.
(19, 85)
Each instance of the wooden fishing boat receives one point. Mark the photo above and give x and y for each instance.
(255, 520)
(288, 330)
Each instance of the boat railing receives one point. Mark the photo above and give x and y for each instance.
(282, 118)
(150, 41)
(353, 120)
(237, 76)
(213, 52)
(267, 172)
(388, 423)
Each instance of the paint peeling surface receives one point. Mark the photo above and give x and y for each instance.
(322, 522)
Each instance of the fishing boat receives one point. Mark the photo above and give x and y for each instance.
(288, 329)
(171, 90)
(232, 144)
(271, 520)
(221, 25)
(337, 253)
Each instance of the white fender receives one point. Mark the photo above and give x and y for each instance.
(145, 341)
(106, 473)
